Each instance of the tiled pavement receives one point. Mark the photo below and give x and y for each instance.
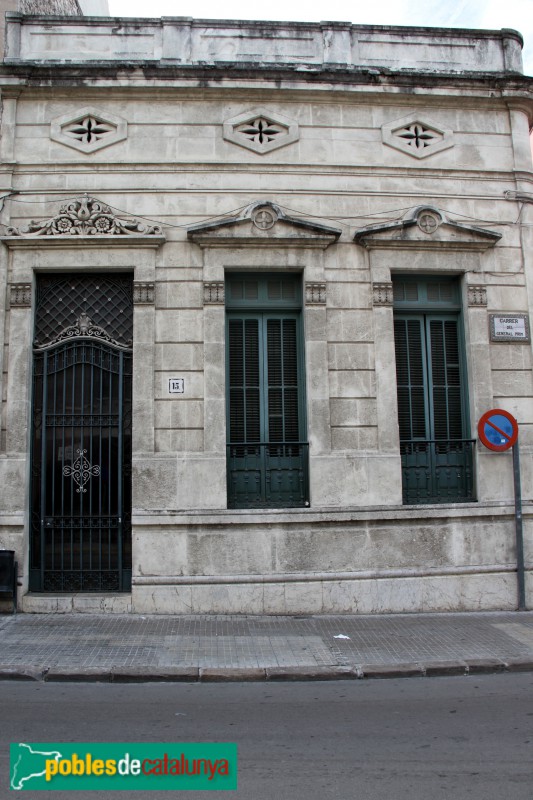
(127, 647)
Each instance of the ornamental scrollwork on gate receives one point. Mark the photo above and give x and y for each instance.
(86, 216)
(84, 327)
(81, 471)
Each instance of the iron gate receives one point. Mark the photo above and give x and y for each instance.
(81, 442)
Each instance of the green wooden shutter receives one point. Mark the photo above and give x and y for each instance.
(411, 378)
(244, 380)
(428, 373)
(282, 380)
(447, 422)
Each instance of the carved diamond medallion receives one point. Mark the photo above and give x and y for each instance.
(88, 130)
(416, 137)
(261, 131)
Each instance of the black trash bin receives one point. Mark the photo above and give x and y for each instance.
(8, 576)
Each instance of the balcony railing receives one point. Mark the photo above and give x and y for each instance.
(437, 471)
(268, 474)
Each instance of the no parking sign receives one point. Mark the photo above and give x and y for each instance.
(497, 429)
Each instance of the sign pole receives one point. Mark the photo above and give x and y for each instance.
(520, 571)
(498, 430)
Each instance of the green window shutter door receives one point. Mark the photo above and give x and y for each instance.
(437, 461)
(265, 396)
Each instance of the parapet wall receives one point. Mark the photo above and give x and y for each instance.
(304, 46)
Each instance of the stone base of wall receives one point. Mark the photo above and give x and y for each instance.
(76, 603)
(485, 592)
(359, 561)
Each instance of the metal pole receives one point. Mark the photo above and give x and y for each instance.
(520, 572)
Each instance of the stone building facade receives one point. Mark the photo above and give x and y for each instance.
(258, 283)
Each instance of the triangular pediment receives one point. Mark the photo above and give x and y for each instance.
(263, 224)
(426, 228)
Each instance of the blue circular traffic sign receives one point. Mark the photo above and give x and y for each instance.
(497, 429)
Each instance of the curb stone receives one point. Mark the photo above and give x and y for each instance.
(74, 675)
(436, 668)
(154, 674)
(22, 673)
(310, 673)
(259, 674)
(212, 674)
(480, 666)
(519, 664)
(391, 670)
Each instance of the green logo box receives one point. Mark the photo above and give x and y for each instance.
(128, 765)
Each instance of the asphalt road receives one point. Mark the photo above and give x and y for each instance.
(466, 738)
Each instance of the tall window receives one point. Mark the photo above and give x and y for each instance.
(432, 411)
(267, 451)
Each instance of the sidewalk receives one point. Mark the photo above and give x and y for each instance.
(127, 648)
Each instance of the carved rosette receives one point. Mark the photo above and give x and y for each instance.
(382, 294)
(214, 293)
(143, 293)
(86, 217)
(477, 296)
(315, 294)
(20, 295)
(264, 218)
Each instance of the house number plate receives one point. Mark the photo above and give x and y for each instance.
(176, 385)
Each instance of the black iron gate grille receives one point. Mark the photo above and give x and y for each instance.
(81, 447)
